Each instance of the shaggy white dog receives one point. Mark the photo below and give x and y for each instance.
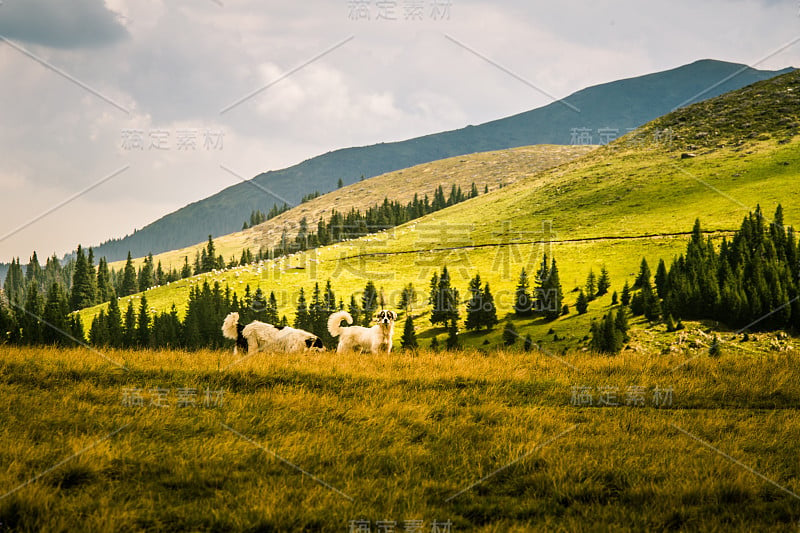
(376, 339)
(261, 337)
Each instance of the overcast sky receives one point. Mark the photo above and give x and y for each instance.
(142, 101)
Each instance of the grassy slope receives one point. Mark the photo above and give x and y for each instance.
(487, 169)
(621, 104)
(399, 435)
(617, 197)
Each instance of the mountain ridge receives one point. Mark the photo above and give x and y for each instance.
(619, 106)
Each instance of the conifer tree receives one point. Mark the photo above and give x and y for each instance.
(186, 270)
(475, 304)
(409, 338)
(661, 278)
(408, 297)
(582, 303)
(302, 319)
(30, 319)
(591, 285)
(354, 310)
(105, 290)
(143, 326)
(625, 297)
(528, 345)
(82, 283)
(446, 301)
(510, 334)
(489, 315)
(369, 303)
(129, 283)
(271, 312)
(452, 342)
(644, 274)
(114, 323)
(129, 330)
(553, 295)
(603, 282)
(55, 316)
(523, 304)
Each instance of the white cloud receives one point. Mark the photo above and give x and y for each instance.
(175, 65)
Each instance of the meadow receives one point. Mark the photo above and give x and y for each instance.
(497, 441)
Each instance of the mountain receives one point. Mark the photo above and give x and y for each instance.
(488, 171)
(618, 106)
(636, 197)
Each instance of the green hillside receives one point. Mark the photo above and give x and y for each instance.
(616, 106)
(636, 197)
(487, 170)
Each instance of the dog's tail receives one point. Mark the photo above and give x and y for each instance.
(335, 322)
(230, 325)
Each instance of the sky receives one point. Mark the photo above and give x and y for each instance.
(115, 113)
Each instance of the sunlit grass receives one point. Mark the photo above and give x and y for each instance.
(400, 435)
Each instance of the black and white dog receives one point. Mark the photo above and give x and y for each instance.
(376, 339)
(262, 337)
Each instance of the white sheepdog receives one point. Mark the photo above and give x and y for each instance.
(376, 339)
(262, 337)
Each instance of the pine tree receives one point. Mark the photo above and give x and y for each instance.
(603, 282)
(146, 274)
(475, 304)
(302, 319)
(446, 304)
(114, 324)
(409, 338)
(408, 297)
(129, 283)
(143, 326)
(510, 334)
(591, 285)
(98, 333)
(186, 270)
(82, 295)
(614, 298)
(56, 321)
(621, 323)
(528, 345)
(105, 290)
(489, 315)
(271, 312)
(452, 342)
(625, 297)
(435, 344)
(523, 305)
(354, 310)
(76, 328)
(644, 275)
(434, 289)
(129, 330)
(33, 272)
(209, 259)
(369, 303)
(258, 307)
(582, 303)
(14, 285)
(30, 319)
(661, 278)
(552, 295)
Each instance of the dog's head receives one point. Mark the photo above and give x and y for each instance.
(314, 342)
(385, 317)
